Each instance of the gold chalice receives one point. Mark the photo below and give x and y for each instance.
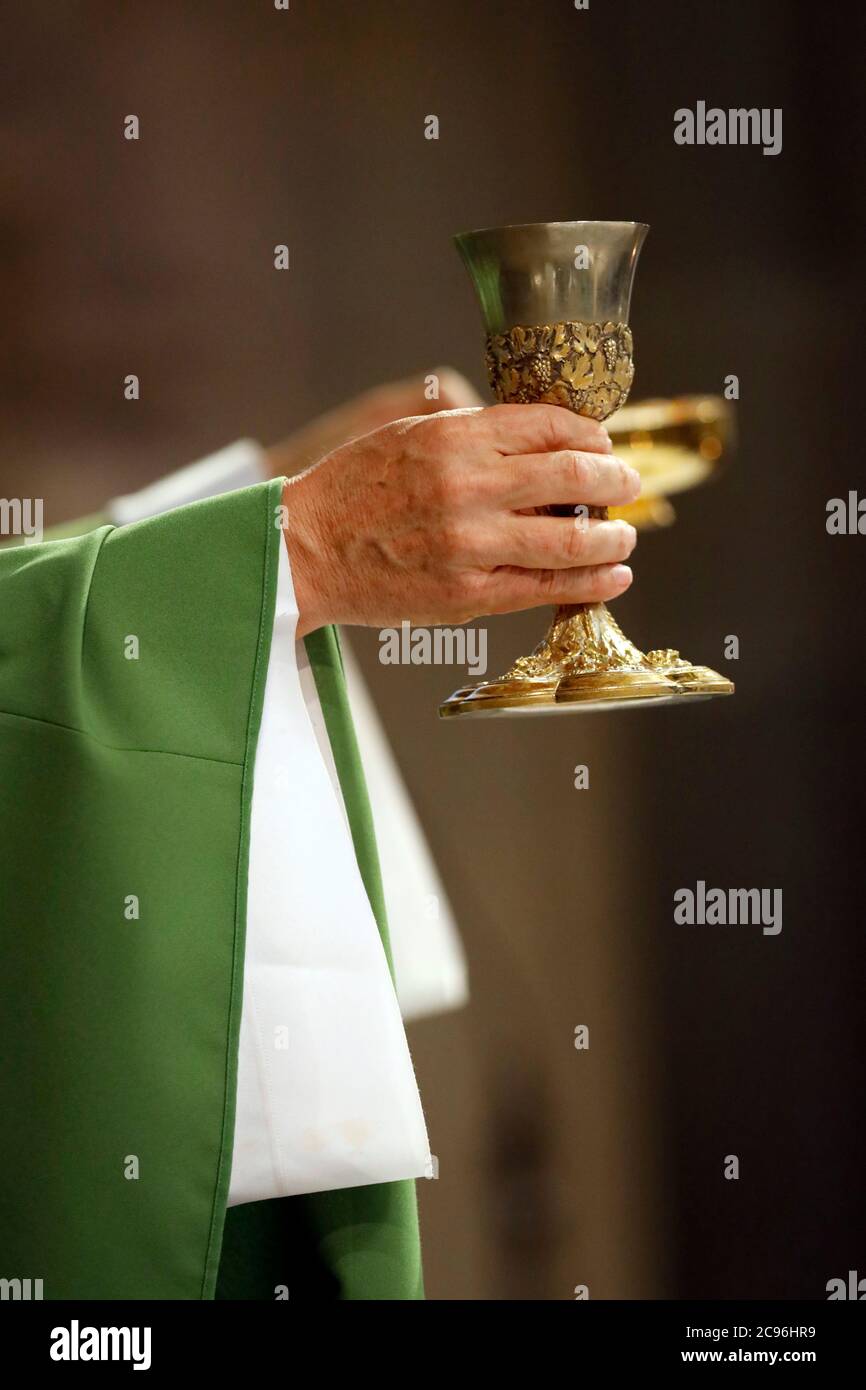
(555, 298)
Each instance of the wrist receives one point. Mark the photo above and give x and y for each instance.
(309, 569)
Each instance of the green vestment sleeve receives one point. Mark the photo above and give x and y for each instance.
(132, 669)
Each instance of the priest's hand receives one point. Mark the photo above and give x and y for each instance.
(369, 411)
(432, 519)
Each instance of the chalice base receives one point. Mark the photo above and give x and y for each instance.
(698, 680)
(586, 663)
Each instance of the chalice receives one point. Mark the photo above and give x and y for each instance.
(555, 300)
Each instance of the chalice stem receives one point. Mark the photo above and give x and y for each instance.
(582, 637)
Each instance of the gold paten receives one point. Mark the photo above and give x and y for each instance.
(675, 445)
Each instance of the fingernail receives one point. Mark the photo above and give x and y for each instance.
(621, 574)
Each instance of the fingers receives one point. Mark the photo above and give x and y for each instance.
(510, 590)
(529, 429)
(555, 543)
(567, 475)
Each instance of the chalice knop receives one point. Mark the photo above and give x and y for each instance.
(555, 298)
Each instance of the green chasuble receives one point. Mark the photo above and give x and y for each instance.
(132, 671)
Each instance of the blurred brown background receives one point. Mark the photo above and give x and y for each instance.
(557, 1168)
